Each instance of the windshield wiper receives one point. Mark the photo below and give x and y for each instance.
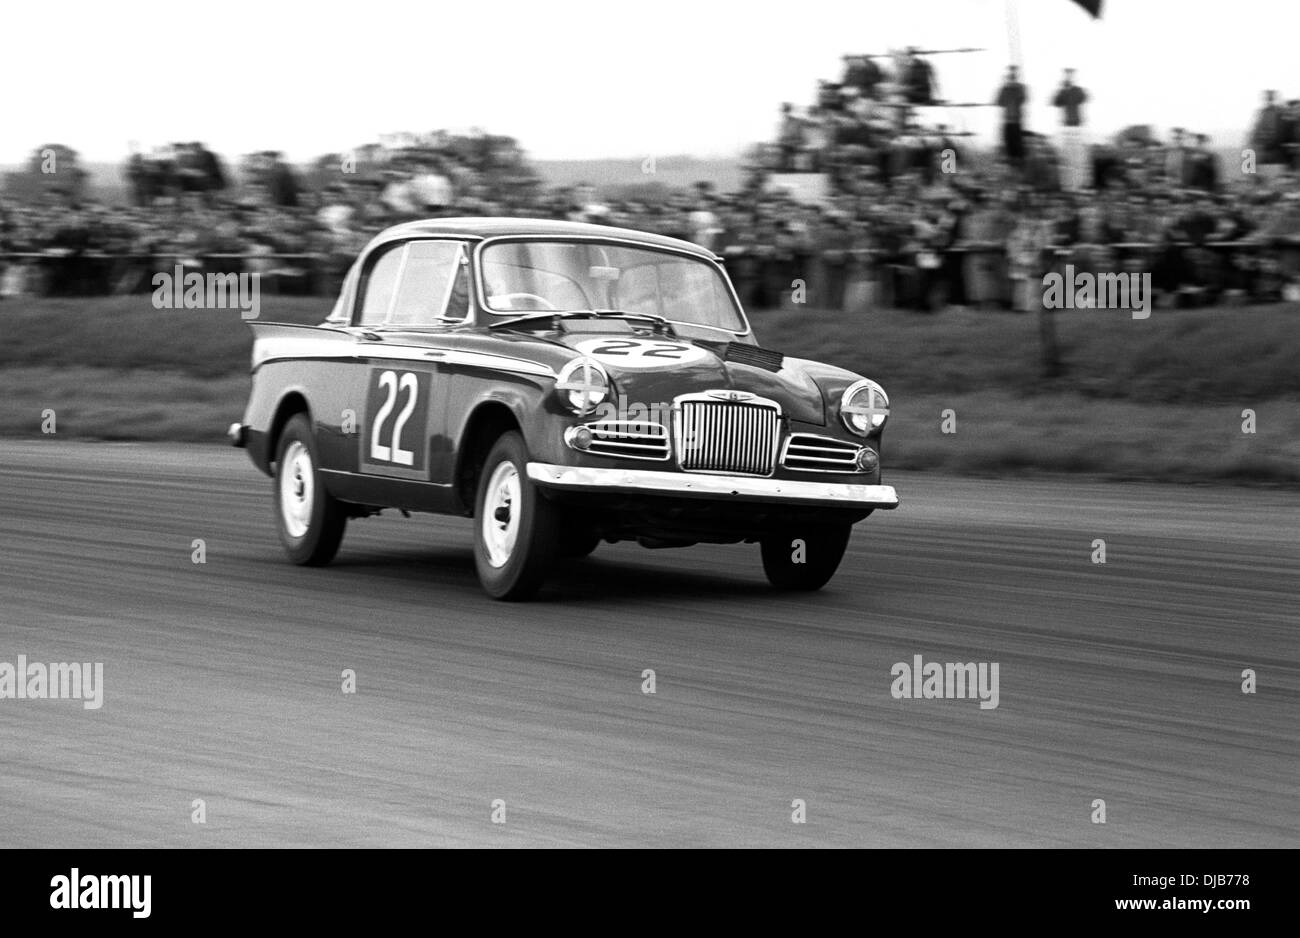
(660, 323)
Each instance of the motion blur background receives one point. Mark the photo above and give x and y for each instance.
(852, 164)
(275, 138)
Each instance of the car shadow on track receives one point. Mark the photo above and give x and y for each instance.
(607, 580)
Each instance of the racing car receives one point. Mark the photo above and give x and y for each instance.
(564, 385)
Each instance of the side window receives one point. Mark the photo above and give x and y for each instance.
(416, 284)
(380, 283)
(428, 279)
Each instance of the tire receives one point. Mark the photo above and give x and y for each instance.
(517, 531)
(822, 551)
(311, 522)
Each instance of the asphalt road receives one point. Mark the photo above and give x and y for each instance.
(222, 681)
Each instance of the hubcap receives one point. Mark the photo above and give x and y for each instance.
(500, 520)
(297, 489)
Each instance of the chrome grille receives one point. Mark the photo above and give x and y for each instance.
(730, 437)
(813, 453)
(630, 439)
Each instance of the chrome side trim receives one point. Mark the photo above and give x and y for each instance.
(454, 357)
(287, 348)
(740, 488)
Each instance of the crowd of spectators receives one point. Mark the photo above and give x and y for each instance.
(891, 225)
(928, 222)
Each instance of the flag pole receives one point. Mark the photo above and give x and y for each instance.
(1013, 31)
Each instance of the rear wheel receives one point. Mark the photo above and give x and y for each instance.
(804, 559)
(310, 520)
(517, 531)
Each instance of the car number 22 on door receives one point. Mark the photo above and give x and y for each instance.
(396, 427)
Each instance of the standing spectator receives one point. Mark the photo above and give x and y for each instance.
(1178, 160)
(1267, 138)
(986, 231)
(214, 176)
(1204, 172)
(818, 136)
(862, 74)
(789, 137)
(141, 177)
(705, 226)
(919, 86)
(1012, 97)
(832, 241)
(281, 181)
(1291, 134)
(1070, 99)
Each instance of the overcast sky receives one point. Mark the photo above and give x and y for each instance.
(579, 79)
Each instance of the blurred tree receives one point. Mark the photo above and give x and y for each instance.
(51, 169)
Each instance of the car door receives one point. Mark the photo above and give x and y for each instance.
(406, 298)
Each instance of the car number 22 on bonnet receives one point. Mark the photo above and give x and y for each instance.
(564, 385)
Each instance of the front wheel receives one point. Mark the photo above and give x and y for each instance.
(310, 520)
(804, 560)
(517, 531)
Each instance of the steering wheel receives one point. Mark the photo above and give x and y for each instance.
(521, 302)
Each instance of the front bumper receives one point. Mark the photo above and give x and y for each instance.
(717, 487)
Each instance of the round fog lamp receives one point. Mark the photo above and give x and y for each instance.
(867, 459)
(578, 437)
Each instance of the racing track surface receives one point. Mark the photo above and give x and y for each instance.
(222, 681)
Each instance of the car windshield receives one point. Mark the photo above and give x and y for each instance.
(567, 276)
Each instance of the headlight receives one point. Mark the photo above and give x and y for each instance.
(583, 384)
(864, 408)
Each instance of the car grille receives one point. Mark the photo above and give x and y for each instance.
(629, 439)
(741, 438)
(820, 454)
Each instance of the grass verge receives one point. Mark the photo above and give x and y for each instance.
(1156, 399)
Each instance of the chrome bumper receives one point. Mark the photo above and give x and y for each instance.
(729, 488)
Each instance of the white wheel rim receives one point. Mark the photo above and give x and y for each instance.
(501, 506)
(297, 489)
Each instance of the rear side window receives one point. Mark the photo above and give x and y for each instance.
(420, 283)
(380, 285)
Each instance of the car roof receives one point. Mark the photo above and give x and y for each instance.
(482, 228)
